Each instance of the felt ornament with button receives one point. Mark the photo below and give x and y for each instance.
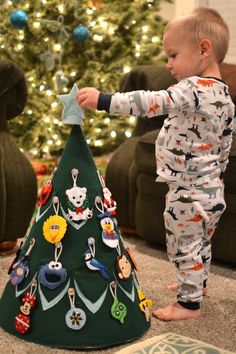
(78, 205)
(75, 317)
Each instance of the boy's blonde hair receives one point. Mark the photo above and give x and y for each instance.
(205, 23)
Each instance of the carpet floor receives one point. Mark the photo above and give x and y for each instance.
(217, 327)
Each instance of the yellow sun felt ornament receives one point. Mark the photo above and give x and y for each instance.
(54, 228)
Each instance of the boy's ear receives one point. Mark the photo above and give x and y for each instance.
(206, 47)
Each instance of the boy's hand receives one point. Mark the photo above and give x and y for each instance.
(87, 97)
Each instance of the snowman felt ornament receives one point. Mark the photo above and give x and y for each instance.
(77, 201)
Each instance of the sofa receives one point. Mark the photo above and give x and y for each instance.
(131, 172)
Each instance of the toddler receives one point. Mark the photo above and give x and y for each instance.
(192, 147)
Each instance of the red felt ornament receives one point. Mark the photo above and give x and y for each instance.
(45, 193)
(39, 167)
(22, 323)
(28, 298)
(22, 320)
(109, 203)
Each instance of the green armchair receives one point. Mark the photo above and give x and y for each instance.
(18, 183)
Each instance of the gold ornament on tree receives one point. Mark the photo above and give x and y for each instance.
(95, 3)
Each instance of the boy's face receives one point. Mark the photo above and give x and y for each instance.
(184, 57)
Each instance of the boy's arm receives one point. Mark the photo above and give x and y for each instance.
(149, 103)
(104, 102)
(140, 103)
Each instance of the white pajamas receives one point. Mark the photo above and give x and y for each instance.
(191, 216)
(192, 151)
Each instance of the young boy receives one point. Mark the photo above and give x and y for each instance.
(192, 147)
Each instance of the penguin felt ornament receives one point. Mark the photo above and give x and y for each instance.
(109, 235)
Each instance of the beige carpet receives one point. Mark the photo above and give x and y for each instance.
(217, 327)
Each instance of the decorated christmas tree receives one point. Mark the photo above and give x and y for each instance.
(73, 282)
(91, 42)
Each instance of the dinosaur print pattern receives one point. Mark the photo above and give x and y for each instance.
(195, 139)
(192, 152)
(191, 216)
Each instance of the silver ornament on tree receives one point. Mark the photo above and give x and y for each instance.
(48, 59)
(60, 80)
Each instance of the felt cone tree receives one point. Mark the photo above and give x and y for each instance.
(73, 282)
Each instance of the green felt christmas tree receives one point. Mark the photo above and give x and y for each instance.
(73, 283)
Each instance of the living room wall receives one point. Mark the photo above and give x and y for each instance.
(226, 8)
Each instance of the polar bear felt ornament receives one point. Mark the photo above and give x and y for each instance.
(78, 206)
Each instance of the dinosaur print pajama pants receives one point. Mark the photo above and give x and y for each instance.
(191, 216)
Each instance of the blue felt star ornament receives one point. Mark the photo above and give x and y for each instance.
(72, 112)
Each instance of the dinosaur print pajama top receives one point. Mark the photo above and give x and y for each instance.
(192, 152)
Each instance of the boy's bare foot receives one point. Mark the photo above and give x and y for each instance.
(174, 287)
(175, 312)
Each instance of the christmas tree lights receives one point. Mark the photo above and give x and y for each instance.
(90, 42)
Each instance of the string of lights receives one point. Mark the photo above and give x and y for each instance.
(59, 43)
